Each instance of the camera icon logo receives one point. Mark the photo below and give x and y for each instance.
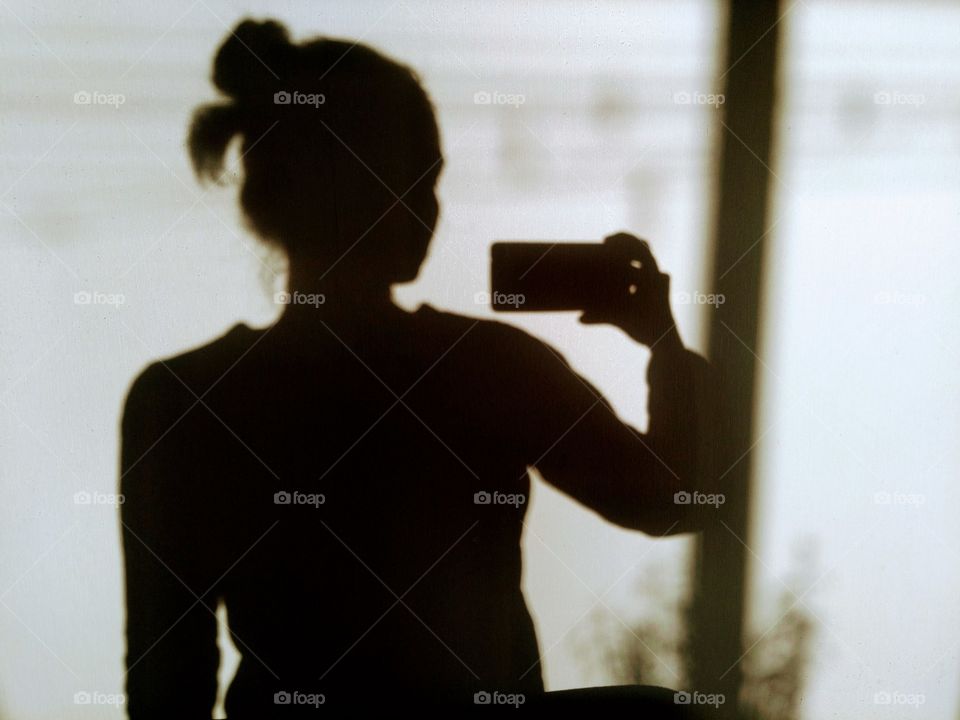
(282, 98)
(681, 698)
(482, 98)
(82, 498)
(81, 98)
(82, 698)
(482, 498)
(82, 298)
(282, 498)
(481, 698)
(682, 498)
(281, 298)
(282, 698)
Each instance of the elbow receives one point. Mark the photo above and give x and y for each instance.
(668, 510)
(666, 518)
(669, 523)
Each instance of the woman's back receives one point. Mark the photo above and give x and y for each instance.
(357, 501)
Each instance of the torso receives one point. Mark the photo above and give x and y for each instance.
(397, 434)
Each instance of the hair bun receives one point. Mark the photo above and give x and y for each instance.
(254, 60)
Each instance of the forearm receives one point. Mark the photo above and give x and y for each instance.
(683, 419)
(172, 654)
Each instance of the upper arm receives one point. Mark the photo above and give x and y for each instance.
(580, 445)
(172, 655)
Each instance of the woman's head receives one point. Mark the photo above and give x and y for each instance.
(340, 151)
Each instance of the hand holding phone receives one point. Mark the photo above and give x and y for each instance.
(616, 282)
(643, 311)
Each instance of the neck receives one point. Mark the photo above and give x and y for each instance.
(337, 299)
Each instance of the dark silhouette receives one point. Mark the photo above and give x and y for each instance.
(399, 584)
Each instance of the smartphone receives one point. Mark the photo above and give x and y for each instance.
(551, 276)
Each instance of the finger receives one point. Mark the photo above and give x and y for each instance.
(647, 261)
(624, 243)
(634, 248)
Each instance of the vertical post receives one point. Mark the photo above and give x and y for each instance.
(748, 74)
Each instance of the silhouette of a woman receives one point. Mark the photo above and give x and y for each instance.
(350, 482)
